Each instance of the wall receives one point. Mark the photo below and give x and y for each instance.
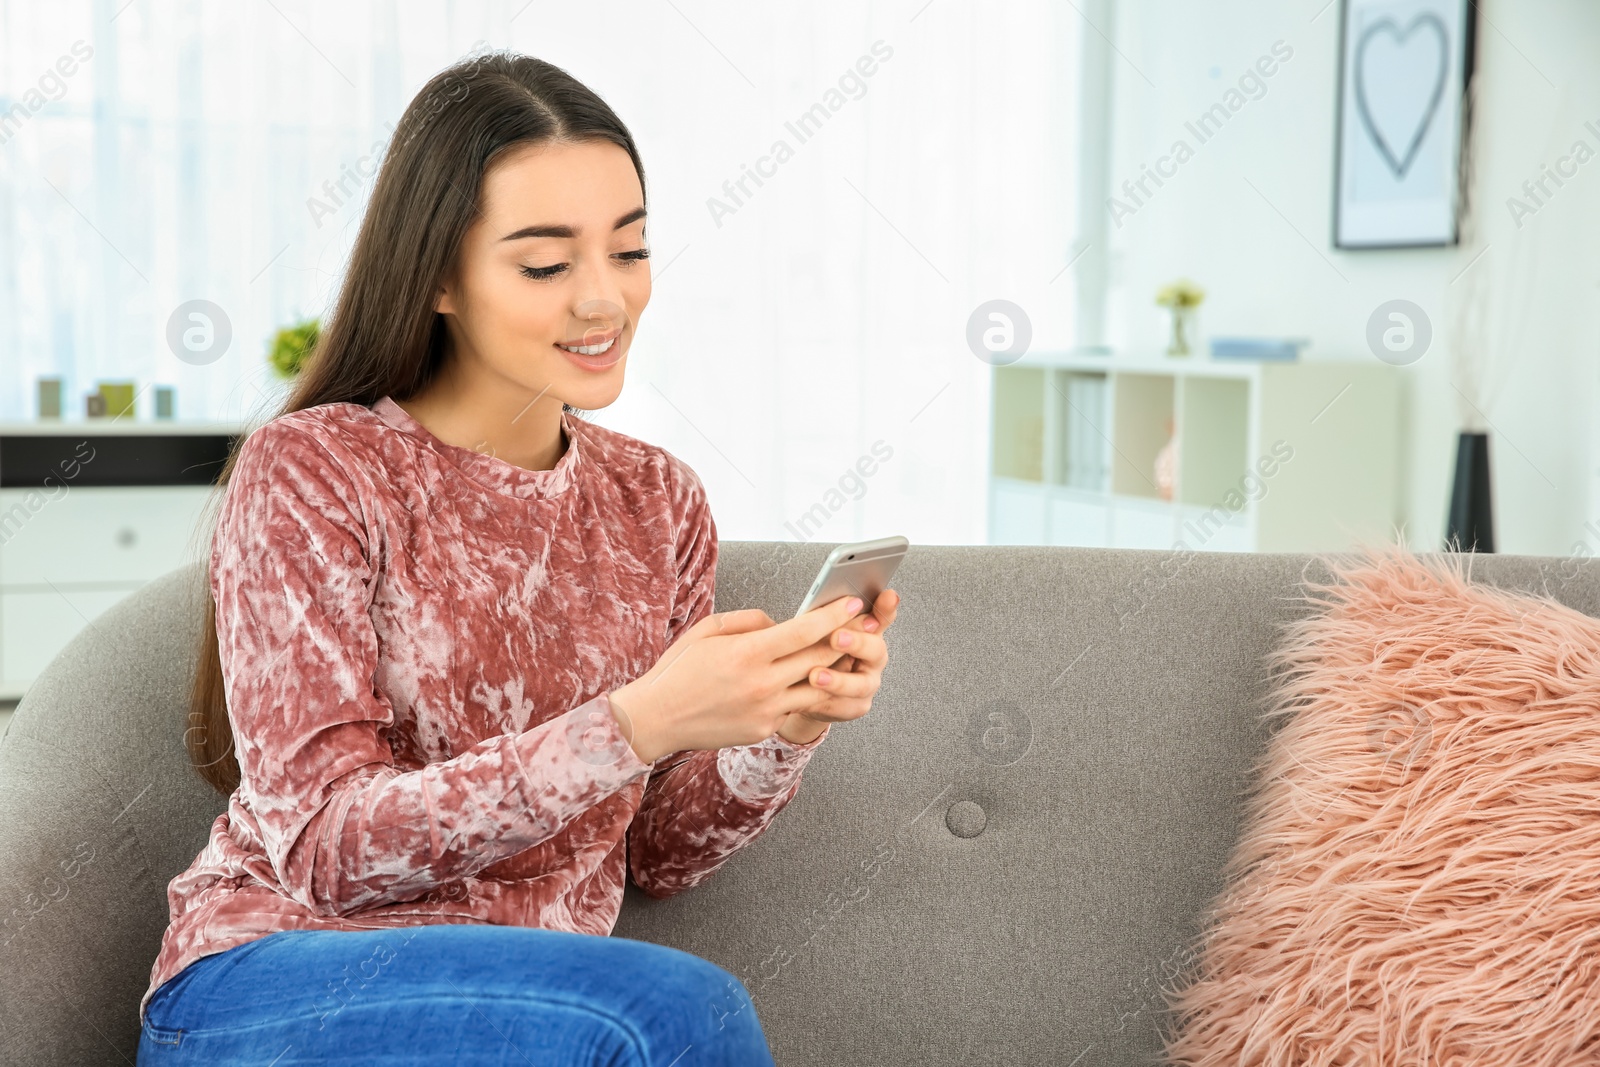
(1249, 216)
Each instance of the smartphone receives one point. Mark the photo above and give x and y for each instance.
(863, 569)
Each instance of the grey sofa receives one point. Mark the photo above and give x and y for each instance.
(1003, 863)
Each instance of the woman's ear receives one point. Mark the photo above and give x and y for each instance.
(444, 298)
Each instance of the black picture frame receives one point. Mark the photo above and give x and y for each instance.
(1372, 155)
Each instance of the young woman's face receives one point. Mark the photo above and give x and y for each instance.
(556, 257)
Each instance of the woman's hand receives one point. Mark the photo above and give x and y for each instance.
(849, 682)
(732, 678)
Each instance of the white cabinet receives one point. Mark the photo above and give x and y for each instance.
(76, 537)
(67, 558)
(97, 535)
(1273, 457)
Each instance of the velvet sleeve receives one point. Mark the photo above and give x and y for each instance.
(342, 827)
(702, 806)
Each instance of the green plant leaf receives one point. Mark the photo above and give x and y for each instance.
(292, 347)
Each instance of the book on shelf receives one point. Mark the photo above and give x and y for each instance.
(1085, 444)
(1269, 349)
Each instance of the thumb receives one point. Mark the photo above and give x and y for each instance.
(743, 621)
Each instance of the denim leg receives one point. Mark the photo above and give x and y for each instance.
(468, 994)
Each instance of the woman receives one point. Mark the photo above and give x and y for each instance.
(459, 677)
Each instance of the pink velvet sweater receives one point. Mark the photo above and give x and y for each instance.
(417, 640)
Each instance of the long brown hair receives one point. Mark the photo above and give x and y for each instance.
(383, 336)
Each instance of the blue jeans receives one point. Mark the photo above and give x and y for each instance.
(469, 994)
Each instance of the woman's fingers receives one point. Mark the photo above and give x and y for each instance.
(840, 640)
(869, 648)
(824, 705)
(798, 665)
(795, 635)
(883, 612)
(840, 683)
(855, 645)
(844, 684)
(865, 649)
(884, 608)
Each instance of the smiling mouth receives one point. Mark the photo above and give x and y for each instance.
(600, 355)
(595, 348)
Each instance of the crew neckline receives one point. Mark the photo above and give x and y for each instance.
(492, 472)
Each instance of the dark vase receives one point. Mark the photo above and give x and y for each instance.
(1470, 527)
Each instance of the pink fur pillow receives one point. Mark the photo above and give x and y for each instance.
(1418, 882)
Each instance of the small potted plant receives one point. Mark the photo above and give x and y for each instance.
(1182, 297)
(291, 347)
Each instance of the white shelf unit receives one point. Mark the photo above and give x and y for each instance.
(77, 537)
(1296, 456)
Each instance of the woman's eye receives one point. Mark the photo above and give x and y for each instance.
(627, 258)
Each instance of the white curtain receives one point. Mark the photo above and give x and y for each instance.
(805, 349)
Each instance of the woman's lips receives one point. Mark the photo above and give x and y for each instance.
(604, 361)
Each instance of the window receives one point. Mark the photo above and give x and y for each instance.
(811, 302)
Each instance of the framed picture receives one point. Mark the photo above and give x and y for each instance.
(1403, 69)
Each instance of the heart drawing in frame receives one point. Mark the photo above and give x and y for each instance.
(1384, 140)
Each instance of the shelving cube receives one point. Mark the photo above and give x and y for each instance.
(1296, 456)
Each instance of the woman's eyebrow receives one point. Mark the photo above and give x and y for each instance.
(567, 231)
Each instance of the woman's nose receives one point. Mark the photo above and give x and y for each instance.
(599, 316)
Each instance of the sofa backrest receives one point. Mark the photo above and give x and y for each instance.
(1003, 862)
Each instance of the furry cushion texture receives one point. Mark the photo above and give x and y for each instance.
(1418, 880)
